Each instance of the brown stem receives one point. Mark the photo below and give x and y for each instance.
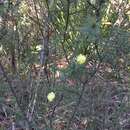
(81, 96)
(14, 94)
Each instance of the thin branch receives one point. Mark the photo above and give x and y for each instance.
(45, 51)
(66, 27)
(14, 94)
(54, 108)
(81, 96)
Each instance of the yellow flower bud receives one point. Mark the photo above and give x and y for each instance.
(81, 59)
(51, 96)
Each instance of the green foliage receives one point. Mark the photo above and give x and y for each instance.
(92, 88)
(3, 8)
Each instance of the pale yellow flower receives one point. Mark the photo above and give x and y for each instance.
(51, 96)
(81, 59)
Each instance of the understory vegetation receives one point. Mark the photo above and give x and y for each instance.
(64, 64)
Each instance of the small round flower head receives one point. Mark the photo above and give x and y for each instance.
(81, 59)
(51, 96)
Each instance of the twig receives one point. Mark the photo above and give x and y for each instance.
(13, 92)
(66, 27)
(81, 96)
(54, 108)
(45, 50)
(13, 125)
